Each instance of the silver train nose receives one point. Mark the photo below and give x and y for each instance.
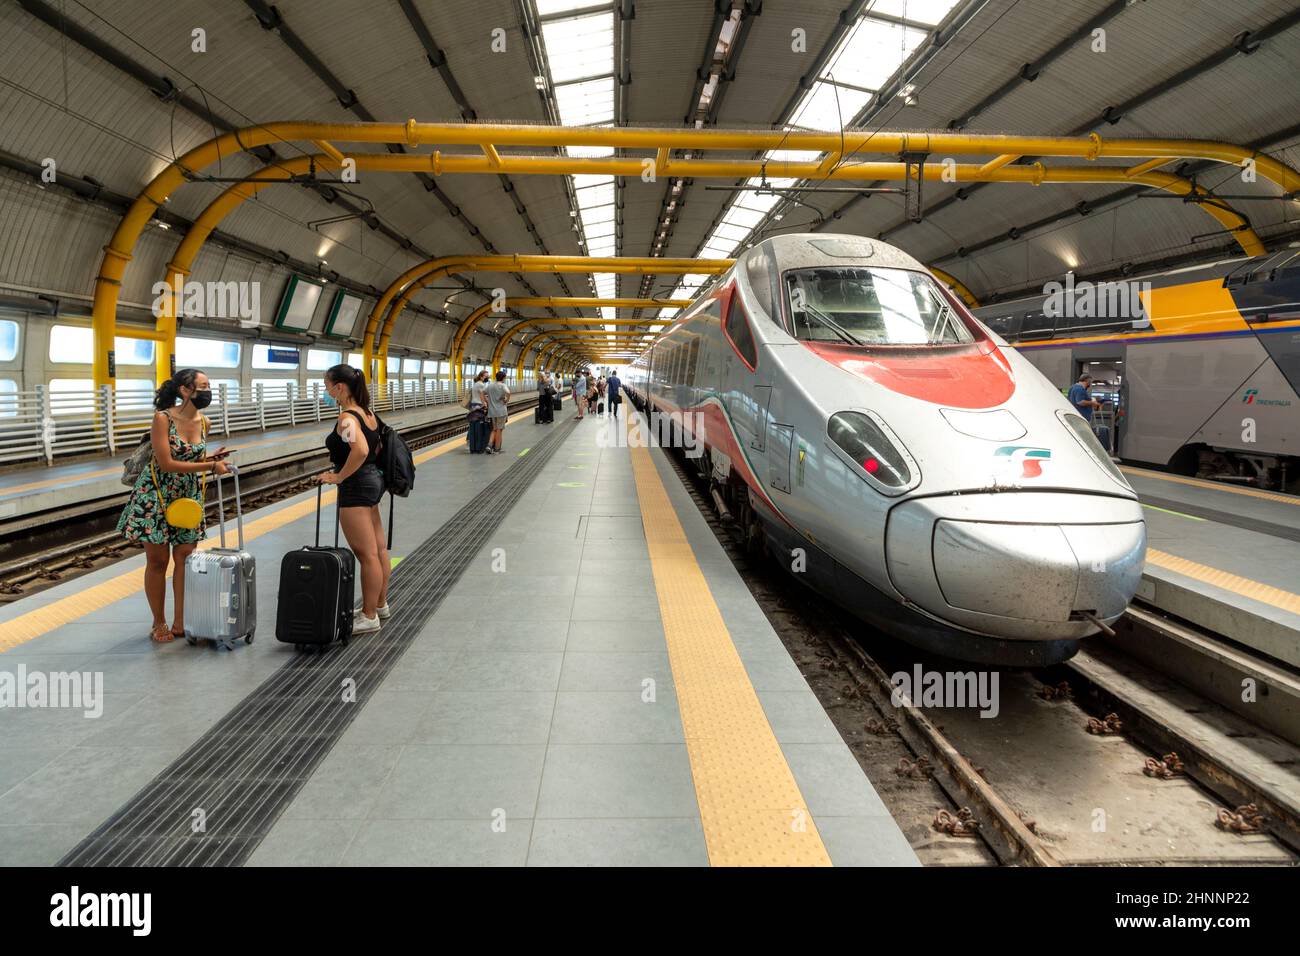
(1018, 566)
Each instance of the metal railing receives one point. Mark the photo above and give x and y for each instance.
(40, 424)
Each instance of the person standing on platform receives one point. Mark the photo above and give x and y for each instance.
(178, 438)
(353, 445)
(1079, 398)
(579, 394)
(498, 395)
(612, 386)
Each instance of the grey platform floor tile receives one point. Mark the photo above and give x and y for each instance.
(615, 671)
(865, 841)
(509, 585)
(661, 842)
(797, 717)
(477, 607)
(832, 782)
(477, 669)
(456, 782)
(18, 762)
(616, 717)
(305, 842)
(615, 636)
(345, 784)
(773, 673)
(58, 728)
(541, 636)
(164, 720)
(439, 843)
(38, 845)
(621, 607)
(617, 780)
(420, 671)
(487, 717)
(616, 528)
(388, 718)
(83, 785)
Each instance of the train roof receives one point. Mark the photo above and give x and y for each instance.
(811, 249)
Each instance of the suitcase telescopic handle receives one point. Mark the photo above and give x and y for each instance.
(221, 510)
(320, 488)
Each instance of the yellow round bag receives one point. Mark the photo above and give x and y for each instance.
(185, 513)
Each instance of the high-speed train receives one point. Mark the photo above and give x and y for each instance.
(892, 451)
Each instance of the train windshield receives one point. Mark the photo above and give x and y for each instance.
(863, 306)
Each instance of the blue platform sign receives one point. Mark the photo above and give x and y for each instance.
(282, 356)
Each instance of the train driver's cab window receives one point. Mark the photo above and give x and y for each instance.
(863, 306)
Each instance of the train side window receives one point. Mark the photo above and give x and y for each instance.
(8, 343)
(741, 336)
(694, 361)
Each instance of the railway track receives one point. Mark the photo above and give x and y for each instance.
(1093, 762)
(64, 548)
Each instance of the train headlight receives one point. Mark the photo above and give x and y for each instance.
(864, 440)
(1082, 433)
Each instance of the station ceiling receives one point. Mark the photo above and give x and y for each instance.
(1190, 69)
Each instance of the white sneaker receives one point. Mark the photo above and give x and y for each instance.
(384, 612)
(363, 625)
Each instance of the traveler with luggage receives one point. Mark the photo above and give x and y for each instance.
(164, 512)
(600, 395)
(498, 395)
(354, 447)
(476, 436)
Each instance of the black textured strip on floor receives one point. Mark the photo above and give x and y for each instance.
(1245, 523)
(239, 777)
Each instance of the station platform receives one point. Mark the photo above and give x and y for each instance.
(574, 674)
(28, 492)
(1224, 557)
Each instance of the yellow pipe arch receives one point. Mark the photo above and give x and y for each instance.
(118, 252)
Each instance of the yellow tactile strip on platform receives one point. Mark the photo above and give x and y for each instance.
(66, 610)
(750, 805)
(1255, 590)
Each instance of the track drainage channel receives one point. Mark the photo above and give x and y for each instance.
(244, 772)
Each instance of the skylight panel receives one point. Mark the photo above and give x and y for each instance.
(871, 53)
(547, 8)
(586, 103)
(579, 47)
(918, 11)
(827, 107)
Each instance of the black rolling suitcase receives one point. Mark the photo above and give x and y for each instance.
(479, 431)
(557, 403)
(316, 589)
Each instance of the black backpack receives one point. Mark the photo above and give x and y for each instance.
(396, 462)
(398, 467)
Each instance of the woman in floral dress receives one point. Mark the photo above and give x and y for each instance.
(179, 440)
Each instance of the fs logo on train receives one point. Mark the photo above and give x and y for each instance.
(1029, 459)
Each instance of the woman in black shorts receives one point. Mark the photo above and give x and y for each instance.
(354, 448)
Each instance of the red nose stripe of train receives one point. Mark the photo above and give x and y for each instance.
(963, 377)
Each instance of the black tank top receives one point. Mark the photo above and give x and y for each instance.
(340, 449)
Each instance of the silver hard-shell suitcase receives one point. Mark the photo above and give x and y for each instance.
(221, 585)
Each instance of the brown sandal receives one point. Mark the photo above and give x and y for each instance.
(162, 634)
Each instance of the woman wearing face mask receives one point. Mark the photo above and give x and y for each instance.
(354, 450)
(179, 441)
